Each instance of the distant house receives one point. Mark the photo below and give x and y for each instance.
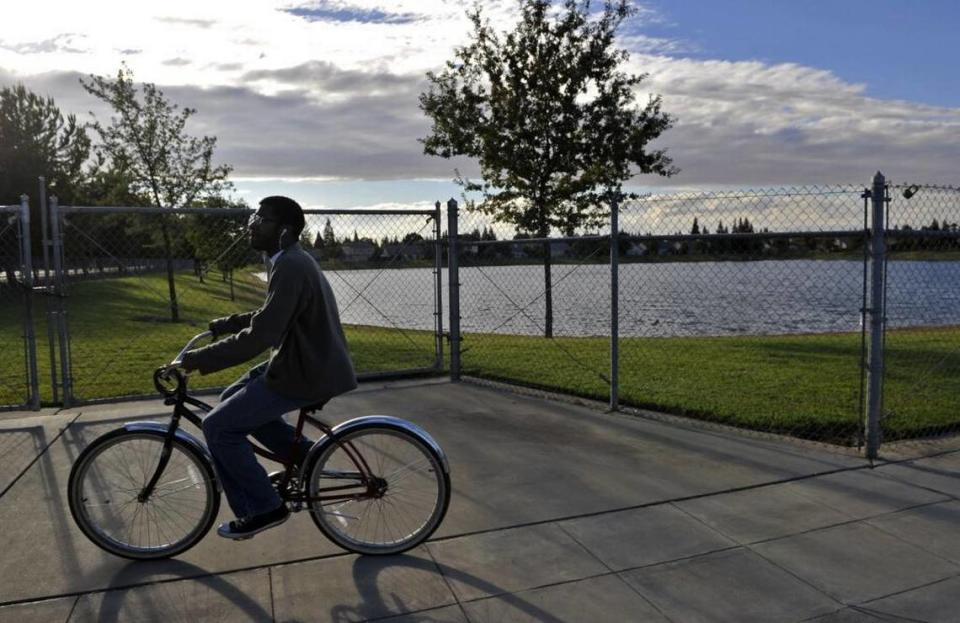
(359, 251)
(669, 248)
(636, 249)
(403, 251)
(560, 248)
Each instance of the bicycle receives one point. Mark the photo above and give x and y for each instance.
(374, 485)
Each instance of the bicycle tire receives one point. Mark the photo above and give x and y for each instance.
(404, 516)
(176, 516)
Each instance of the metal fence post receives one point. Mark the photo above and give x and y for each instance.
(60, 293)
(452, 263)
(438, 270)
(876, 317)
(614, 305)
(26, 266)
(48, 287)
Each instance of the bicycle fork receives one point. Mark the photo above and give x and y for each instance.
(165, 453)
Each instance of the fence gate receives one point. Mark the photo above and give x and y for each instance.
(137, 283)
(19, 386)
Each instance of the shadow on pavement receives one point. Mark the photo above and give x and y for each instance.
(180, 596)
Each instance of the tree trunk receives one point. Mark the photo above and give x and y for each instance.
(174, 311)
(548, 292)
(232, 296)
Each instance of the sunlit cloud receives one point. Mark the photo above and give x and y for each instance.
(327, 90)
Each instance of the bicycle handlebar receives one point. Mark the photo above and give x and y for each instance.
(164, 374)
(178, 360)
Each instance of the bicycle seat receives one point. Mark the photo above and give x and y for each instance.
(312, 408)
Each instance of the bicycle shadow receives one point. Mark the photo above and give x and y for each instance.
(174, 591)
(380, 599)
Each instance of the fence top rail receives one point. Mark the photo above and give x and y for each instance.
(10, 208)
(227, 211)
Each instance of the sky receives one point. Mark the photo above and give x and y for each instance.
(318, 99)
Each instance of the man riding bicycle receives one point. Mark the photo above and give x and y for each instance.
(309, 363)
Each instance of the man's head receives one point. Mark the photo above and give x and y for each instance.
(276, 224)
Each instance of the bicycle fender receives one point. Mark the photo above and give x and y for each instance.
(385, 420)
(181, 434)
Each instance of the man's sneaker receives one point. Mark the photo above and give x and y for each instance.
(246, 527)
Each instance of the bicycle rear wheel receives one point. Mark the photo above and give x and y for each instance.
(109, 475)
(412, 497)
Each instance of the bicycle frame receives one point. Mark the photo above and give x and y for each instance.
(178, 398)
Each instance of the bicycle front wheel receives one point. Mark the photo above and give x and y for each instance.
(411, 498)
(105, 487)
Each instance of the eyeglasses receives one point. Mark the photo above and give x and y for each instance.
(257, 219)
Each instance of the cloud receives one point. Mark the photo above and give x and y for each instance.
(182, 21)
(751, 123)
(291, 133)
(737, 123)
(323, 76)
(339, 12)
(65, 42)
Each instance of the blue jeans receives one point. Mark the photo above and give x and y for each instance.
(249, 407)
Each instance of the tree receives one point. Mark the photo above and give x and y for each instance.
(37, 140)
(220, 239)
(148, 141)
(695, 230)
(331, 248)
(549, 117)
(328, 237)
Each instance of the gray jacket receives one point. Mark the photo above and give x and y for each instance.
(300, 322)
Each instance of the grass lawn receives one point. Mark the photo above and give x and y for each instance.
(802, 385)
(121, 332)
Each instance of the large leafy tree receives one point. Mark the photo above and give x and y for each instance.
(549, 116)
(147, 141)
(36, 139)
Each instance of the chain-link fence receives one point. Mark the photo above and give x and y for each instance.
(506, 308)
(735, 307)
(15, 378)
(745, 307)
(139, 282)
(922, 341)
(797, 311)
(749, 314)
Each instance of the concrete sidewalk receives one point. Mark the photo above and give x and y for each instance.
(560, 513)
